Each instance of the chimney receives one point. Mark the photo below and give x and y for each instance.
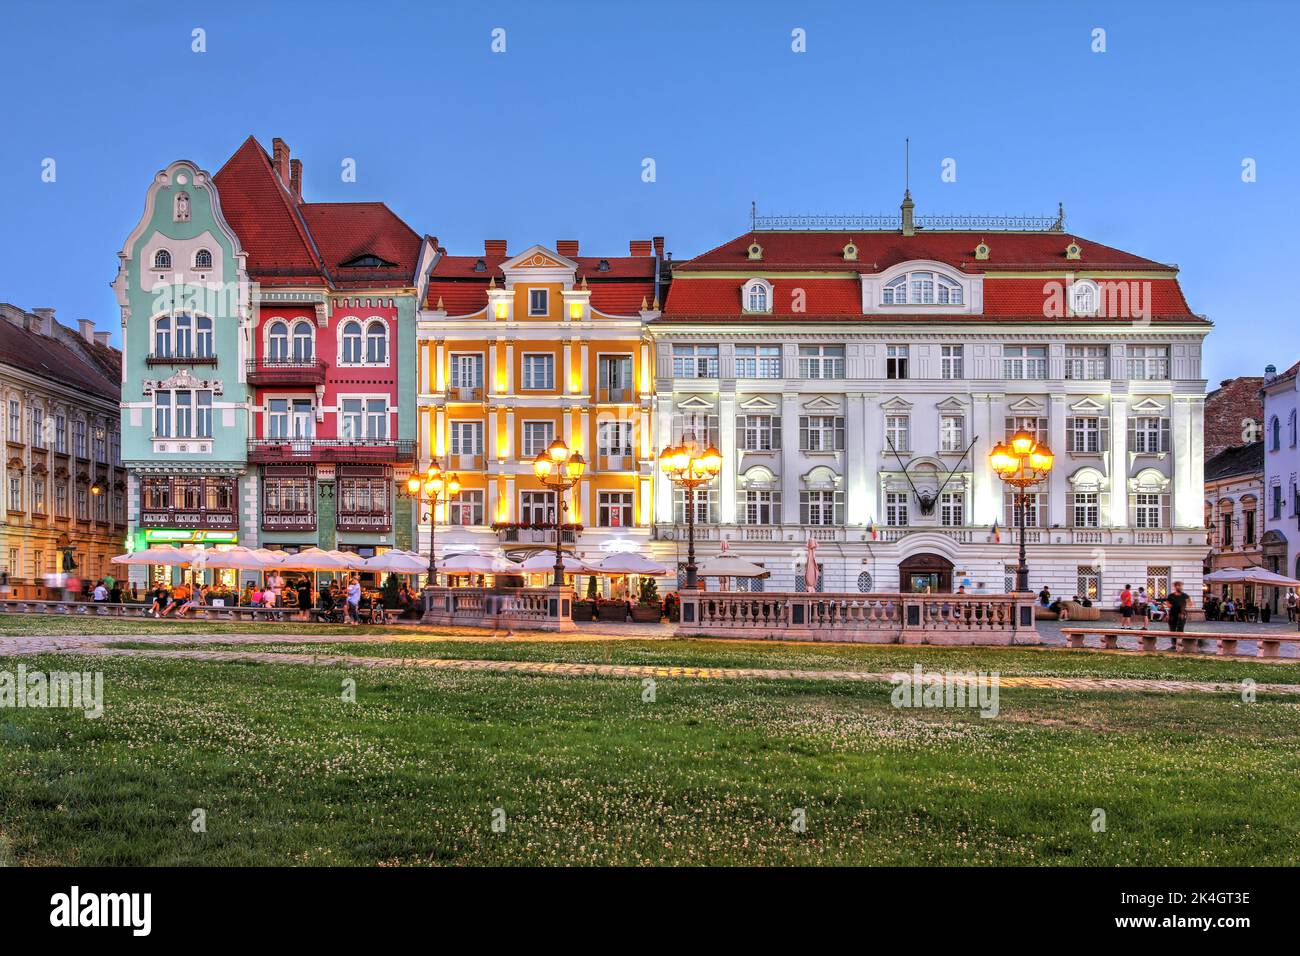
(44, 321)
(280, 159)
(567, 247)
(101, 338)
(295, 179)
(908, 228)
(86, 328)
(638, 247)
(494, 248)
(1270, 372)
(659, 246)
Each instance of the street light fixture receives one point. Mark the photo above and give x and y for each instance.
(689, 467)
(1022, 463)
(559, 469)
(434, 486)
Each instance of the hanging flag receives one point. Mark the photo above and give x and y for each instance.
(871, 526)
(997, 535)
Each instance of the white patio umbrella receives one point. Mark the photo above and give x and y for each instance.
(397, 561)
(238, 558)
(1258, 575)
(1226, 576)
(314, 559)
(629, 562)
(476, 562)
(164, 554)
(544, 563)
(730, 566)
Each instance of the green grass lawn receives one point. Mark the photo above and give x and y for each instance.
(1053, 662)
(587, 772)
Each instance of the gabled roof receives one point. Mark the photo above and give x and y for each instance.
(811, 250)
(1238, 460)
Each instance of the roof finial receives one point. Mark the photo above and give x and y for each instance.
(907, 165)
(644, 304)
(440, 307)
(753, 215)
(1059, 225)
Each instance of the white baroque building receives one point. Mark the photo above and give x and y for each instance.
(849, 375)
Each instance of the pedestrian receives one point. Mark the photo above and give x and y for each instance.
(1126, 607)
(1143, 609)
(115, 592)
(354, 599)
(304, 598)
(1045, 596)
(1290, 605)
(1177, 603)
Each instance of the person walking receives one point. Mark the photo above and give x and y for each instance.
(1177, 603)
(1290, 606)
(354, 599)
(304, 598)
(1126, 607)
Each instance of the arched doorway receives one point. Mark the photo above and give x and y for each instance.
(925, 572)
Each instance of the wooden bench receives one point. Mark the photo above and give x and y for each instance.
(1186, 642)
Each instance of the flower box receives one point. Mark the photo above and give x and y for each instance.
(612, 611)
(647, 613)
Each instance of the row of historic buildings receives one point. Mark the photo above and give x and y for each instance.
(287, 364)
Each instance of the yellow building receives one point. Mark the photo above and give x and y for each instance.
(516, 351)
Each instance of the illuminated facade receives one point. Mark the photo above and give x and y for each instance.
(518, 350)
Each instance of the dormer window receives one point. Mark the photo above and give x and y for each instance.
(203, 259)
(755, 251)
(368, 261)
(757, 296)
(1083, 297)
(922, 288)
(162, 259)
(480, 265)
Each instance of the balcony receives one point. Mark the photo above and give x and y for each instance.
(264, 371)
(167, 358)
(288, 521)
(605, 395)
(190, 518)
(273, 451)
(378, 522)
(518, 533)
(889, 534)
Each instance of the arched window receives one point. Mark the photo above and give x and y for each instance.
(277, 341)
(1274, 433)
(203, 259)
(162, 335)
(352, 342)
(922, 288)
(302, 342)
(184, 343)
(376, 343)
(203, 337)
(1291, 428)
(896, 292)
(1083, 298)
(162, 259)
(757, 298)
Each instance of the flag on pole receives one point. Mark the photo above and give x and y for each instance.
(997, 534)
(871, 526)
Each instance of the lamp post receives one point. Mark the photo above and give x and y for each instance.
(436, 486)
(1022, 463)
(559, 469)
(687, 466)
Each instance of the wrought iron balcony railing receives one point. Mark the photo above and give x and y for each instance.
(280, 450)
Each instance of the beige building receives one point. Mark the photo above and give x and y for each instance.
(1234, 496)
(62, 486)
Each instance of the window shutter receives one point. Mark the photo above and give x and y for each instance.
(1103, 509)
(1132, 434)
(1069, 508)
(1132, 511)
(803, 507)
(1164, 435)
(1165, 517)
(776, 431)
(803, 432)
(839, 434)
(1103, 434)
(1069, 434)
(1010, 428)
(1041, 499)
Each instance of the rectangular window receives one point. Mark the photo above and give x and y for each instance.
(614, 377)
(1158, 581)
(896, 509)
(36, 425)
(466, 508)
(695, 361)
(1088, 584)
(352, 420)
(1088, 362)
(898, 432)
(821, 433)
(1024, 361)
(759, 432)
(758, 361)
(539, 301)
(760, 507)
(537, 436)
(288, 497)
(537, 507)
(1148, 361)
(539, 371)
(1086, 509)
(60, 499)
(183, 423)
(363, 498)
(79, 434)
(162, 421)
(467, 438)
(101, 508)
(952, 509)
(706, 506)
(203, 416)
(38, 494)
(698, 427)
(1277, 502)
(1035, 509)
(896, 361)
(614, 439)
(952, 360)
(1148, 435)
(466, 370)
(15, 492)
(377, 419)
(115, 439)
(61, 434)
(83, 504)
(821, 361)
(1148, 510)
(821, 507)
(952, 433)
(1035, 426)
(614, 509)
(15, 433)
(1248, 516)
(1086, 435)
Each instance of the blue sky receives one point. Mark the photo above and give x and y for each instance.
(1143, 143)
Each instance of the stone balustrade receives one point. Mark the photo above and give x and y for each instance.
(862, 618)
(538, 609)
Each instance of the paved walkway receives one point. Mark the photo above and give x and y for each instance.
(22, 646)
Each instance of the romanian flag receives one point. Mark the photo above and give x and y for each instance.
(997, 534)
(871, 526)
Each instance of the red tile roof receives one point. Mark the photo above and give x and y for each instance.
(877, 251)
(52, 358)
(720, 297)
(299, 243)
(1162, 297)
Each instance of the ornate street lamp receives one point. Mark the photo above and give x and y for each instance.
(434, 487)
(1022, 463)
(559, 469)
(687, 466)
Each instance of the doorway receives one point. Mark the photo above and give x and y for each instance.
(922, 573)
